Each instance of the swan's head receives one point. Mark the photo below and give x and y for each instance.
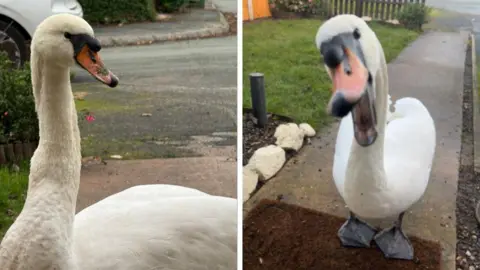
(63, 39)
(351, 52)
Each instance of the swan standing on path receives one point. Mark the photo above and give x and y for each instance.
(144, 227)
(382, 159)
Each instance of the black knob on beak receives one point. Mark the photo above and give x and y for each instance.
(340, 106)
(333, 55)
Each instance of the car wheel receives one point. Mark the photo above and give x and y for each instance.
(13, 43)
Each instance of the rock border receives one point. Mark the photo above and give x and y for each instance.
(215, 30)
(267, 161)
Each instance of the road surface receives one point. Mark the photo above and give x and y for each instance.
(185, 90)
(462, 6)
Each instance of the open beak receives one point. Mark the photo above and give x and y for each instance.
(91, 62)
(352, 86)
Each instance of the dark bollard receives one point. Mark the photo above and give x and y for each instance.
(259, 103)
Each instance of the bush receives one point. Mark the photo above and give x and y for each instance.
(169, 6)
(313, 7)
(18, 119)
(118, 11)
(413, 16)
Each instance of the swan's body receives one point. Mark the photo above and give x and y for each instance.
(382, 158)
(144, 227)
(408, 150)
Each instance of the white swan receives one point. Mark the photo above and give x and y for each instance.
(382, 159)
(144, 227)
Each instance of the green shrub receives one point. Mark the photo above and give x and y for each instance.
(169, 6)
(118, 11)
(413, 16)
(18, 119)
(307, 7)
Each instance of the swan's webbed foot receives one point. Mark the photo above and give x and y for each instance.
(394, 243)
(356, 233)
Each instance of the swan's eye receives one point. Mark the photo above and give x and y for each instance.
(356, 33)
(67, 35)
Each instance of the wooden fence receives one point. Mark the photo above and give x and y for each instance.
(16, 152)
(376, 9)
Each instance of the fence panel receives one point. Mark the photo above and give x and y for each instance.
(376, 9)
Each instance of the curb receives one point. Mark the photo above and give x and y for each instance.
(476, 107)
(219, 29)
(476, 118)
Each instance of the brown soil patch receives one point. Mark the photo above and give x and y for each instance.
(277, 235)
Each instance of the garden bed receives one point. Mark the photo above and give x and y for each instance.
(255, 137)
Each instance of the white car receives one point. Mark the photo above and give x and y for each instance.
(20, 18)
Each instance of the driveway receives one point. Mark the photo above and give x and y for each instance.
(186, 92)
(173, 100)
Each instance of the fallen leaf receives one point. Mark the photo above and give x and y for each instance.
(80, 95)
(146, 114)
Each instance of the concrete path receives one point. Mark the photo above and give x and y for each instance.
(431, 69)
(461, 6)
(188, 87)
(197, 23)
(213, 175)
(226, 5)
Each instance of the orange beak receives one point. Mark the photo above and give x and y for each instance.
(350, 77)
(91, 62)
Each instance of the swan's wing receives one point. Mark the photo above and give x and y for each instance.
(189, 231)
(342, 152)
(410, 141)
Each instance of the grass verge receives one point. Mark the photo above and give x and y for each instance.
(13, 192)
(295, 81)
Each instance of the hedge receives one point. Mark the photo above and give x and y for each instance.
(118, 11)
(18, 119)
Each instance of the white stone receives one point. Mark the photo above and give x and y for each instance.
(250, 181)
(289, 136)
(307, 129)
(267, 161)
(395, 22)
(366, 18)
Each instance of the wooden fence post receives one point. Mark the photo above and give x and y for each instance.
(358, 8)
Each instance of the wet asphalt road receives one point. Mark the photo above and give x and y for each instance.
(188, 87)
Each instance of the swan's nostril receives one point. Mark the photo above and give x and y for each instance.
(333, 56)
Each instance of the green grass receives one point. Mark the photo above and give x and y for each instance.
(296, 83)
(13, 191)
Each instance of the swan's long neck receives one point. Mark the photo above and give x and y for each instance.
(57, 160)
(366, 171)
(41, 237)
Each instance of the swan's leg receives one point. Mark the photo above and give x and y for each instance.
(356, 233)
(394, 243)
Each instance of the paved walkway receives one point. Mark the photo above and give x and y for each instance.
(213, 175)
(431, 69)
(226, 5)
(197, 23)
